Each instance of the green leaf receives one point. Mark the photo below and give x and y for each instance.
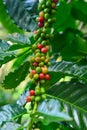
(72, 69)
(13, 79)
(10, 126)
(24, 13)
(9, 52)
(50, 111)
(73, 97)
(7, 21)
(11, 112)
(79, 10)
(63, 15)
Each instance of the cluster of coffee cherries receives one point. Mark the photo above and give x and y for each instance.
(36, 95)
(40, 59)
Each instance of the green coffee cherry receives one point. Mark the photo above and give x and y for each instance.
(48, 3)
(38, 70)
(43, 96)
(42, 81)
(46, 10)
(37, 98)
(42, 90)
(36, 76)
(46, 16)
(37, 92)
(32, 98)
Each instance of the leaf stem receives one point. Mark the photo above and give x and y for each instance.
(32, 119)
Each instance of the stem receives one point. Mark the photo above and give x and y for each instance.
(32, 119)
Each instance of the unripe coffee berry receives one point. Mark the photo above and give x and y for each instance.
(53, 5)
(38, 69)
(37, 98)
(32, 92)
(28, 99)
(41, 14)
(38, 59)
(44, 70)
(36, 76)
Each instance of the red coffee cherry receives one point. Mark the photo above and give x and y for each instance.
(41, 76)
(40, 46)
(35, 64)
(41, 19)
(47, 77)
(40, 24)
(55, 1)
(35, 32)
(28, 99)
(33, 72)
(32, 92)
(44, 50)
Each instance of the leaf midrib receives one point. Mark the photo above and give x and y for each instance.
(67, 102)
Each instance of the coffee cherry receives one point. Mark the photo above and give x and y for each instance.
(28, 99)
(48, 48)
(33, 72)
(38, 54)
(55, 1)
(32, 92)
(35, 32)
(32, 59)
(44, 70)
(46, 25)
(38, 59)
(40, 24)
(41, 64)
(42, 58)
(37, 50)
(41, 14)
(44, 30)
(32, 98)
(41, 76)
(48, 3)
(36, 36)
(46, 10)
(37, 92)
(44, 43)
(42, 81)
(47, 77)
(34, 46)
(42, 90)
(42, 35)
(53, 5)
(40, 46)
(36, 76)
(41, 19)
(46, 16)
(38, 70)
(43, 96)
(44, 50)
(39, 31)
(53, 11)
(37, 98)
(35, 64)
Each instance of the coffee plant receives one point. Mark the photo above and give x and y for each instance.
(47, 49)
